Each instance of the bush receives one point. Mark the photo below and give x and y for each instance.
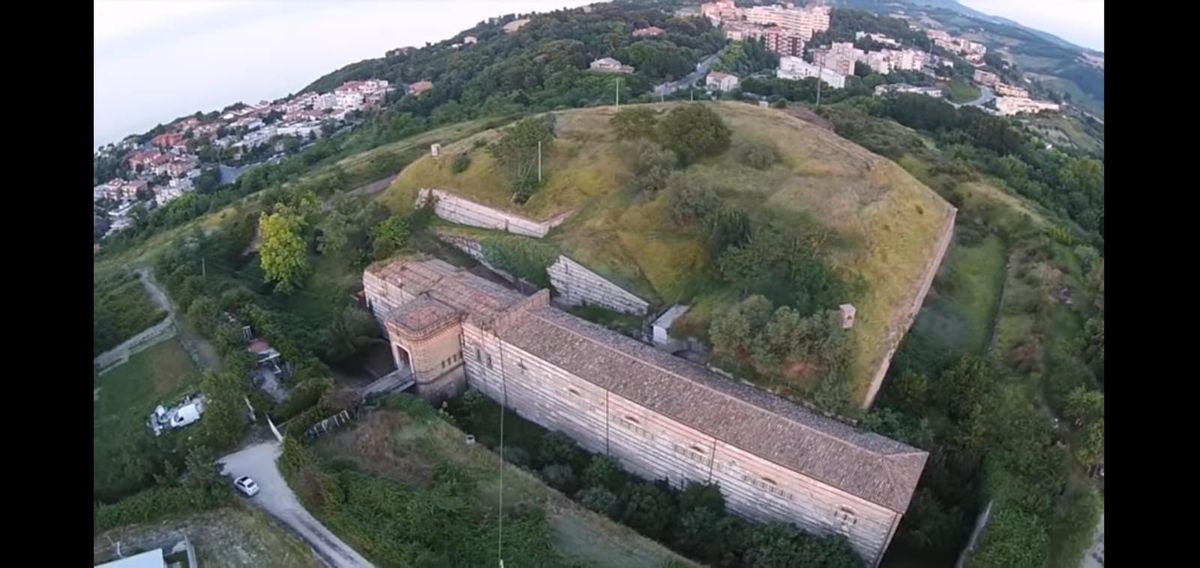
(599, 500)
(759, 154)
(1014, 538)
(692, 200)
(390, 236)
(560, 477)
(558, 448)
(460, 163)
(632, 123)
(522, 257)
(649, 166)
(152, 505)
(694, 132)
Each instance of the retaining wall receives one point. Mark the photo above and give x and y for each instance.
(463, 211)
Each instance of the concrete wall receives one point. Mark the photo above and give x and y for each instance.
(144, 340)
(463, 211)
(577, 285)
(653, 446)
(897, 334)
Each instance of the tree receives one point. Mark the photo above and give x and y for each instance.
(692, 199)
(598, 499)
(333, 233)
(1084, 405)
(516, 152)
(779, 545)
(602, 471)
(390, 236)
(561, 477)
(693, 132)
(649, 509)
(558, 448)
(203, 314)
(632, 123)
(733, 332)
(1089, 446)
(351, 332)
(224, 411)
(283, 254)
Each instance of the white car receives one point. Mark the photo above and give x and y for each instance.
(246, 485)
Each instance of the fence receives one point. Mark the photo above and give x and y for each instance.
(144, 340)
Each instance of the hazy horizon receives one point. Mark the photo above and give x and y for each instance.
(155, 61)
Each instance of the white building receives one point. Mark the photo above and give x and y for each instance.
(1011, 91)
(1009, 106)
(878, 61)
(721, 81)
(795, 68)
(165, 194)
(840, 57)
(877, 38)
(301, 129)
(610, 65)
(905, 88)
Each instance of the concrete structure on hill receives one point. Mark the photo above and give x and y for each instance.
(658, 415)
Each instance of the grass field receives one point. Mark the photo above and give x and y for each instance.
(236, 536)
(127, 394)
(961, 92)
(960, 310)
(121, 308)
(405, 446)
(885, 223)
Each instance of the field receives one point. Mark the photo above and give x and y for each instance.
(121, 309)
(961, 92)
(406, 444)
(883, 223)
(234, 536)
(124, 399)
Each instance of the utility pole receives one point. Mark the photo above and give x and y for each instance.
(203, 269)
(539, 161)
(820, 73)
(618, 93)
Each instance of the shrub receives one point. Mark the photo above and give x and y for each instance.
(632, 123)
(599, 500)
(691, 200)
(522, 257)
(1014, 538)
(649, 166)
(693, 132)
(558, 448)
(560, 477)
(390, 236)
(152, 505)
(460, 163)
(759, 154)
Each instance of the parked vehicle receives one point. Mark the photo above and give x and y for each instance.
(246, 485)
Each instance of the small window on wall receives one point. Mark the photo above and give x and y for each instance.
(487, 360)
(846, 519)
(478, 354)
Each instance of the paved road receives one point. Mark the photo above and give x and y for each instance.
(985, 95)
(690, 79)
(277, 499)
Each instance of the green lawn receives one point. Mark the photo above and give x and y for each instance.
(961, 92)
(127, 394)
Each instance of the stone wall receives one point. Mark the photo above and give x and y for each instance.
(463, 211)
(897, 334)
(576, 285)
(653, 446)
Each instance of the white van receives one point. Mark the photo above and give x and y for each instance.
(187, 414)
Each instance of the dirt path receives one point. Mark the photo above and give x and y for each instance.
(278, 500)
(201, 349)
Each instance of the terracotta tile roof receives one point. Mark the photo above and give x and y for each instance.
(422, 315)
(861, 463)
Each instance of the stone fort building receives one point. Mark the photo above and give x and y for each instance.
(660, 416)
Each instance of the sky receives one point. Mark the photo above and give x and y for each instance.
(1080, 22)
(157, 60)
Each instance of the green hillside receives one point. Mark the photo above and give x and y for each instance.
(881, 223)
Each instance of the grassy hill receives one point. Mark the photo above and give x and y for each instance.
(882, 223)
